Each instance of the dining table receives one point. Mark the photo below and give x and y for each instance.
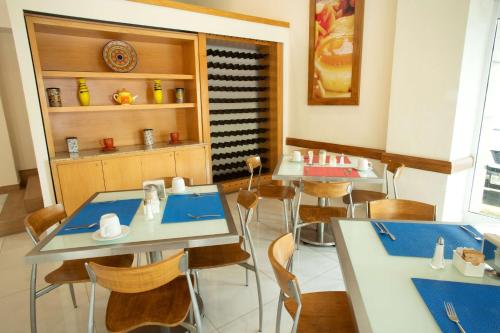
(168, 230)
(338, 168)
(393, 288)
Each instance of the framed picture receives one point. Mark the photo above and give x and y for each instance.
(335, 39)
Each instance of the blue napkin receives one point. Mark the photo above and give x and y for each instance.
(477, 305)
(92, 212)
(419, 239)
(179, 206)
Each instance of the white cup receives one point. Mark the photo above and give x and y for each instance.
(296, 156)
(109, 225)
(178, 185)
(364, 164)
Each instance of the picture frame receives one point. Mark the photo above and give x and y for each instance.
(335, 45)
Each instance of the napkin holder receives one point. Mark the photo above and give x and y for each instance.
(465, 267)
(491, 251)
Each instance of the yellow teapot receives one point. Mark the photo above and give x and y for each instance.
(124, 97)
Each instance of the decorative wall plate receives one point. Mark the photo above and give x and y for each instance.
(120, 56)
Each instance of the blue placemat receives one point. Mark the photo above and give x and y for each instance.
(179, 206)
(477, 305)
(92, 212)
(419, 239)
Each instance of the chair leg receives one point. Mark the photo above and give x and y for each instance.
(278, 315)
(72, 292)
(259, 294)
(285, 211)
(33, 298)
(197, 278)
(257, 210)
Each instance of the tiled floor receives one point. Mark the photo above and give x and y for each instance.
(230, 305)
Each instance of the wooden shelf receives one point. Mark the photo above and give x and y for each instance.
(112, 75)
(101, 108)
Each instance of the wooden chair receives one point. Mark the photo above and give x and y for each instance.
(71, 271)
(327, 311)
(168, 181)
(362, 197)
(158, 294)
(309, 214)
(232, 254)
(398, 209)
(285, 194)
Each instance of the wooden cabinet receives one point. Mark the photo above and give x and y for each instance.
(156, 166)
(123, 173)
(78, 182)
(192, 163)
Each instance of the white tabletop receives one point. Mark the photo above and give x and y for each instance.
(383, 296)
(287, 169)
(145, 235)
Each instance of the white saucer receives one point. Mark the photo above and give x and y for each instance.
(186, 190)
(294, 161)
(97, 234)
(364, 170)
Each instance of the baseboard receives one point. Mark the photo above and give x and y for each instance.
(9, 188)
(25, 174)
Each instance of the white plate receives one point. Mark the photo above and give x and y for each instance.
(294, 161)
(169, 190)
(97, 234)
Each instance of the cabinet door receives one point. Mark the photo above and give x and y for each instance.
(122, 173)
(78, 182)
(192, 163)
(156, 166)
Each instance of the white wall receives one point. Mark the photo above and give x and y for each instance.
(363, 125)
(14, 104)
(8, 173)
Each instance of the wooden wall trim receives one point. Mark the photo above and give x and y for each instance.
(348, 150)
(215, 12)
(421, 163)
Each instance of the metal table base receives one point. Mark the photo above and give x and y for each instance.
(316, 234)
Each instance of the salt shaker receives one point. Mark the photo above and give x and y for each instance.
(438, 258)
(333, 160)
(148, 210)
(322, 157)
(341, 159)
(310, 155)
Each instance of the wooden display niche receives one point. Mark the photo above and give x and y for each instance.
(240, 57)
(64, 50)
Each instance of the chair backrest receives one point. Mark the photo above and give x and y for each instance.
(247, 199)
(168, 181)
(39, 221)
(253, 163)
(327, 190)
(280, 253)
(398, 209)
(139, 279)
(395, 168)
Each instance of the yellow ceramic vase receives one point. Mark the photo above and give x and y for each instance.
(83, 93)
(157, 91)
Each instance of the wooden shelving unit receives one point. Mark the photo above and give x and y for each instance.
(105, 108)
(112, 75)
(65, 50)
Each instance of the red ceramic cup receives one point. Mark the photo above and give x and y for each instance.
(108, 143)
(174, 137)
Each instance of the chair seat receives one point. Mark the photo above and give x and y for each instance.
(316, 214)
(327, 311)
(276, 192)
(167, 305)
(363, 196)
(217, 255)
(73, 271)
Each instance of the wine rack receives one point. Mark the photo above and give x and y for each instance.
(239, 107)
